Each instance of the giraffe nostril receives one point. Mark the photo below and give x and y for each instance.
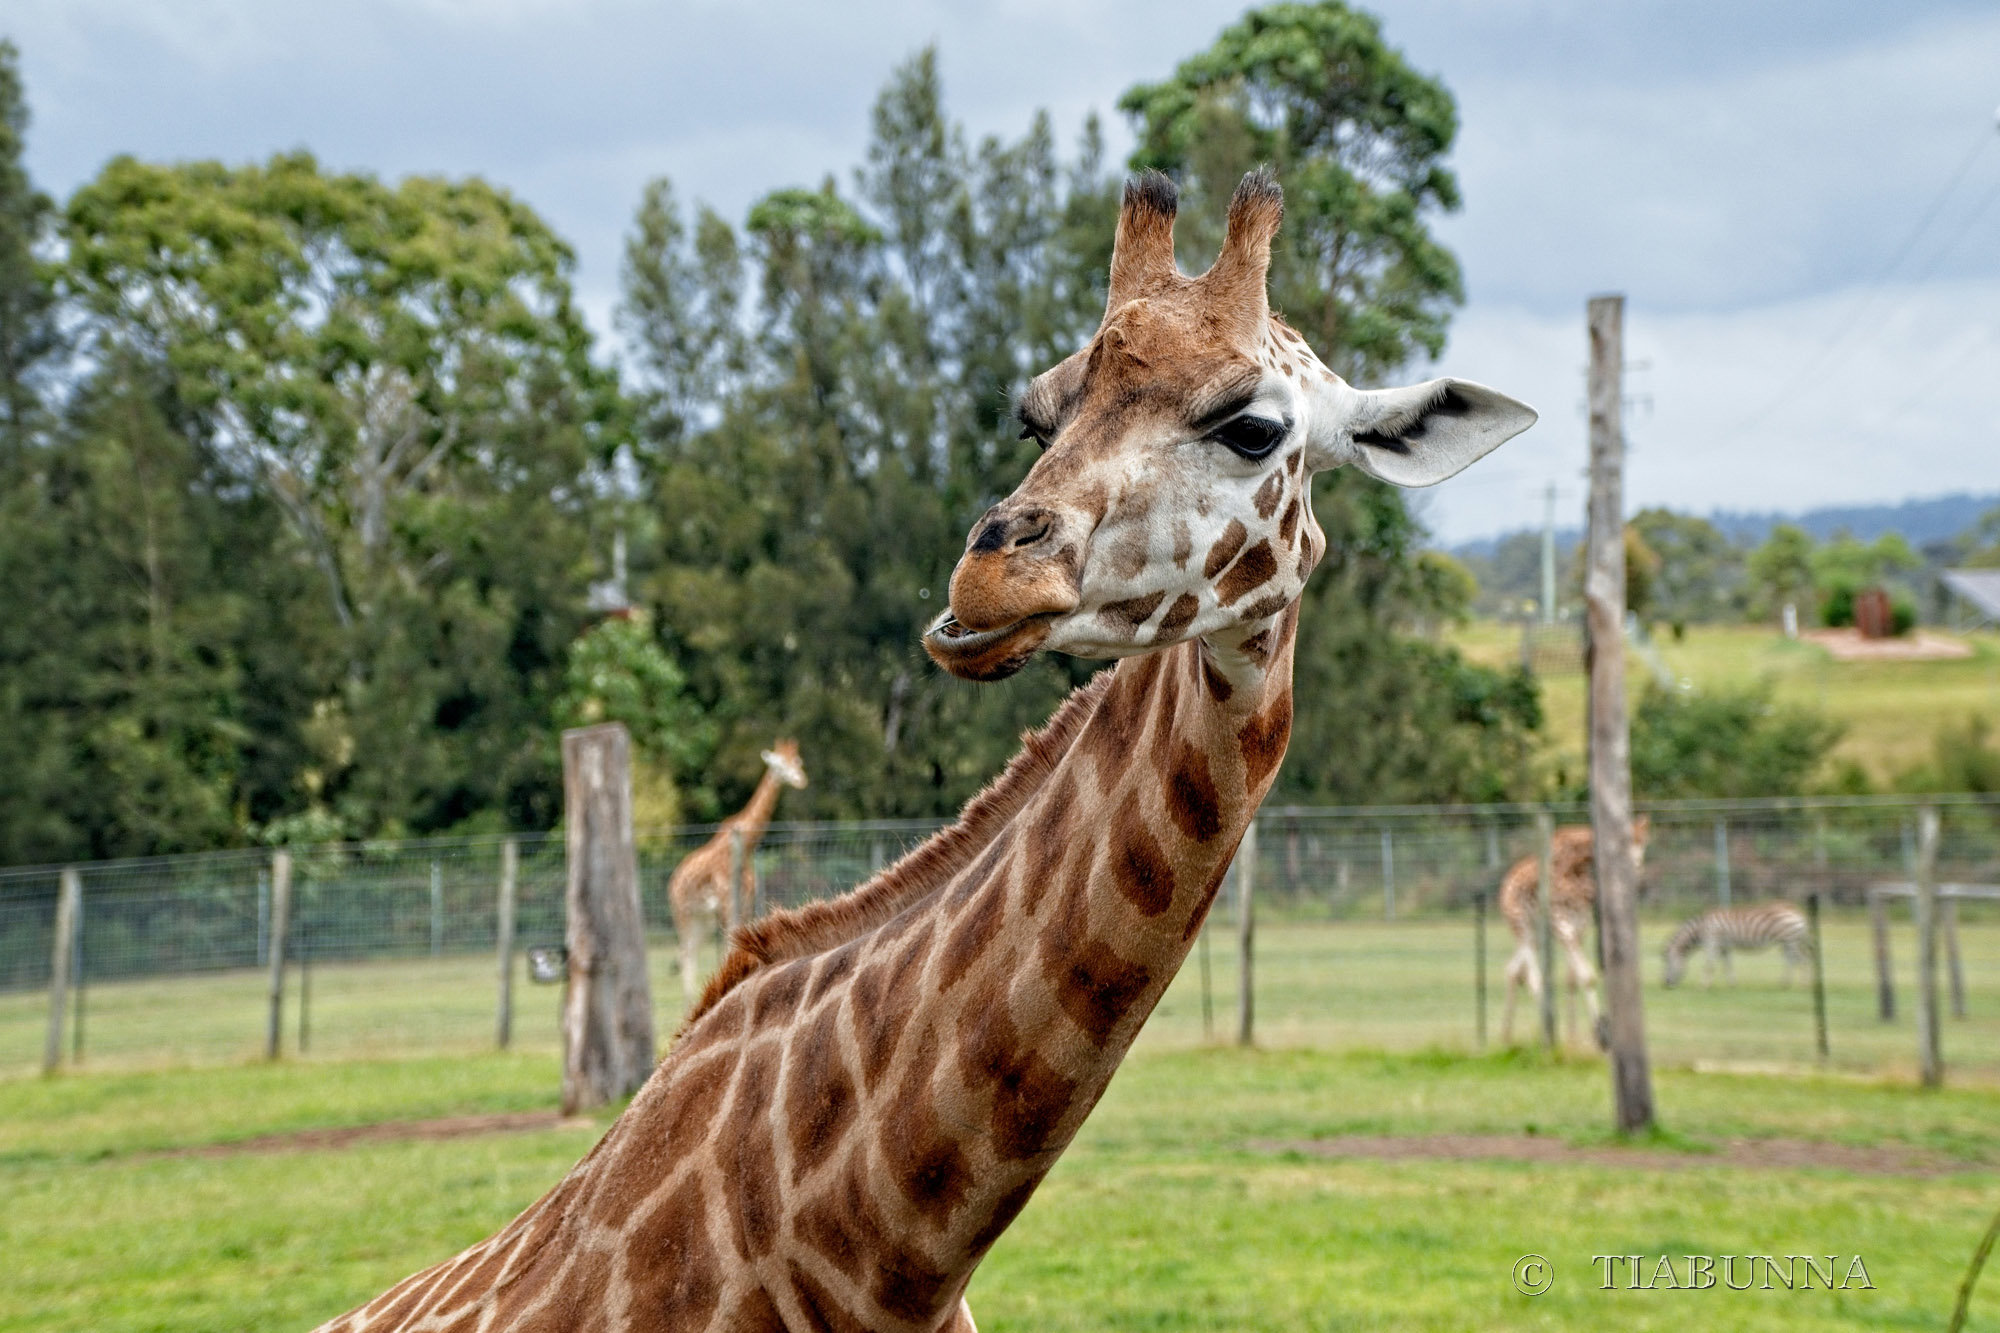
(1029, 537)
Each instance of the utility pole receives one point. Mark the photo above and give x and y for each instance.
(1610, 738)
(1549, 555)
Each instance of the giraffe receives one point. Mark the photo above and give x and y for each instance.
(871, 1088)
(1572, 895)
(697, 892)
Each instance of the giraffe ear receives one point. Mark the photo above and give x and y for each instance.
(1421, 435)
(1142, 256)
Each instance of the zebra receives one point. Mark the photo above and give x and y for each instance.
(1722, 930)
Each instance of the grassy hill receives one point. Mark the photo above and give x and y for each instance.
(1892, 710)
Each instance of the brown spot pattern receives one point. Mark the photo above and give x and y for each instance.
(668, 1252)
(744, 1152)
(976, 928)
(1179, 615)
(1029, 1096)
(1218, 684)
(1132, 611)
(823, 1311)
(1225, 549)
(1047, 844)
(1289, 524)
(879, 1019)
(1264, 737)
(822, 1102)
(1096, 986)
(1252, 571)
(1192, 801)
(1183, 543)
(927, 1163)
(1139, 865)
(1267, 495)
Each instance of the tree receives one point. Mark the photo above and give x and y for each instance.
(1359, 139)
(1698, 568)
(617, 672)
(1726, 742)
(1781, 570)
(401, 372)
(28, 330)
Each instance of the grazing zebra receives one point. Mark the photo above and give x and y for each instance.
(1723, 930)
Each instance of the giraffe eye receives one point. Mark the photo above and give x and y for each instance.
(1251, 437)
(1030, 433)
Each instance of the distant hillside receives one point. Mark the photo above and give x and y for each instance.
(1920, 521)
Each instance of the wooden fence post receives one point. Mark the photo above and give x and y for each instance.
(1207, 1001)
(1246, 930)
(1545, 835)
(510, 869)
(1885, 981)
(1722, 889)
(69, 906)
(437, 908)
(1609, 725)
(608, 1004)
(281, 920)
(1479, 963)
(1818, 976)
(1954, 965)
(1388, 874)
(731, 915)
(1930, 1054)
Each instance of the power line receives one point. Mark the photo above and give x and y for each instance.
(1867, 302)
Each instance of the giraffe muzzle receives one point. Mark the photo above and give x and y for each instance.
(992, 654)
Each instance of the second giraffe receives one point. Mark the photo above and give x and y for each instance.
(699, 891)
(1572, 894)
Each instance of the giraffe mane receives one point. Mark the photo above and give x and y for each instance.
(799, 932)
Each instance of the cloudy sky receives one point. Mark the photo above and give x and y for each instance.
(1800, 198)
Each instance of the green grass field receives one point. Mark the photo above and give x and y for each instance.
(1328, 985)
(1186, 1203)
(1166, 1214)
(1892, 710)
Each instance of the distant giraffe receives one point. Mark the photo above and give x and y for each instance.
(873, 1087)
(1720, 931)
(1572, 893)
(699, 889)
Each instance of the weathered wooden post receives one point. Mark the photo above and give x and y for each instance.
(1930, 1054)
(69, 907)
(1954, 965)
(281, 921)
(1246, 930)
(1207, 1002)
(732, 917)
(1818, 976)
(1388, 874)
(1545, 836)
(1479, 963)
(510, 870)
(437, 908)
(608, 1002)
(1610, 735)
(1885, 981)
(1722, 893)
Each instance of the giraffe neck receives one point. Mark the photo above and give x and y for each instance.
(1030, 976)
(753, 818)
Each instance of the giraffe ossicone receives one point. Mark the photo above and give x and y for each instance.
(872, 1087)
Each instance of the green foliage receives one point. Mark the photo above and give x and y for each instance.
(1781, 570)
(1697, 571)
(1384, 716)
(28, 329)
(617, 672)
(1359, 139)
(1726, 742)
(1845, 566)
(1965, 757)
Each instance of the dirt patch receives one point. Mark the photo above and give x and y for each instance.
(1752, 1154)
(1847, 645)
(392, 1131)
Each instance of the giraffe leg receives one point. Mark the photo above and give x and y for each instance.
(1522, 970)
(1582, 977)
(684, 928)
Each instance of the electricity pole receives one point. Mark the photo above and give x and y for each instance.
(1610, 739)
(1549, 555)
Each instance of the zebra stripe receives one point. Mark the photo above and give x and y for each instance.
(1723, 930)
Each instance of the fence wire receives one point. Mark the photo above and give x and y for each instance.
(1369, 927)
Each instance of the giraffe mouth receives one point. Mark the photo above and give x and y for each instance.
(991, 654)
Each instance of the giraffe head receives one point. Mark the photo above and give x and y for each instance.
(784, 762)
(1173, 495)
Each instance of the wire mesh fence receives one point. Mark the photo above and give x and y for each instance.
(1375, 929)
